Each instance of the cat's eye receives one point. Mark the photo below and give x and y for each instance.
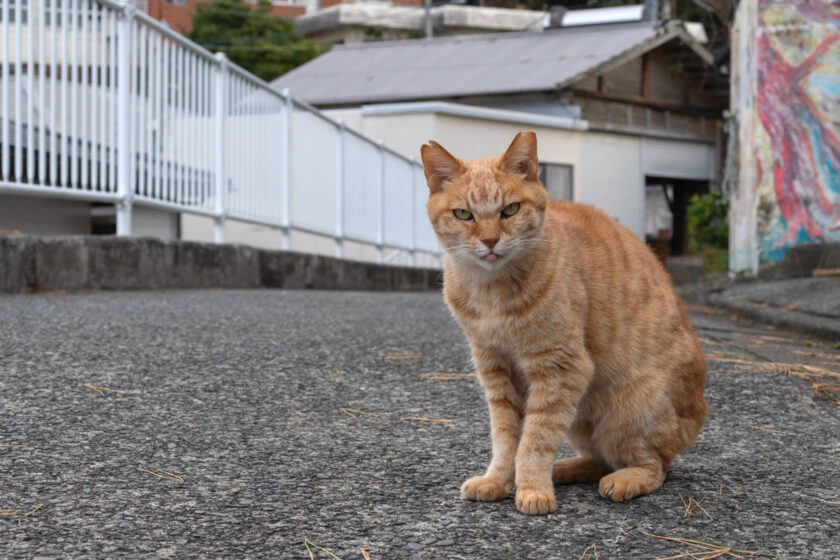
(462, 214)
(510, 210)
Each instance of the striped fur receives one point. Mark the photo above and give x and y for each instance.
(575, 330)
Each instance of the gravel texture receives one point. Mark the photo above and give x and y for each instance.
(233, 398)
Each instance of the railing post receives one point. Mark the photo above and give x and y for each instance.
(124, 29)
(339, 192)
(220, 89)
(380, 196)
(412, 255)
(286, 175)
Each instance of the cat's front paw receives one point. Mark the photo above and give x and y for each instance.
(535, 502)
(482, 489)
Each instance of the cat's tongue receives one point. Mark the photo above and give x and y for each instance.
(491, 256)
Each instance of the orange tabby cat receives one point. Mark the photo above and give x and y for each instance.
(574, 328)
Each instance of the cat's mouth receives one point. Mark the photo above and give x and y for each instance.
(491, 256)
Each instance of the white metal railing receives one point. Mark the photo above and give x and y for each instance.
(100, 102)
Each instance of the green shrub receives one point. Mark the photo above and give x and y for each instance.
(708, 231)
(708, 226)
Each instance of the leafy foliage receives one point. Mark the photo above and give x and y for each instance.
(708, 231)
(708, 226)
(263, 43)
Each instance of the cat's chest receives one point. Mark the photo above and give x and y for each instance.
(503, 320)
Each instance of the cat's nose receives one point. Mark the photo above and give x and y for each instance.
(490, 241)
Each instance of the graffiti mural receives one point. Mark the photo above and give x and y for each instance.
(786, 99)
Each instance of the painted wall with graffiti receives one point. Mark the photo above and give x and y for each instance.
(786, 101)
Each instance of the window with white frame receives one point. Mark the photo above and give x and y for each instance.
(557, 180)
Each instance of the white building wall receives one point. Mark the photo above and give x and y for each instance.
(402, 133)
(470, 139)
(612, 178)
(466, 138)
(151, 222)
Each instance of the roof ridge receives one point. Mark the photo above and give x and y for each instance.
(434, 40)
(491, 36)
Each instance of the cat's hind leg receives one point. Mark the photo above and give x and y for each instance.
(638, 438)
(588, 466)
(578, 469)
(643, 458)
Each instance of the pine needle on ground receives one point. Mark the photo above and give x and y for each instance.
(707, 550)
(103, 390)
(402, 355)
(771, 430)
(166, 475)
(691, 505)
(447, 376)
(307, 543)
(354, 413)
(594, 550)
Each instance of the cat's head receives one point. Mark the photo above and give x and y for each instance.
(486, 212)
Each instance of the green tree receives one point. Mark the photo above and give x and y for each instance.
(708, 222)
(708, 230)
(263, 43)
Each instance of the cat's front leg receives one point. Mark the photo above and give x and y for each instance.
(505, 405)
(556, 388)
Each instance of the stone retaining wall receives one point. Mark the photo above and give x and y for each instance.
(32, 264)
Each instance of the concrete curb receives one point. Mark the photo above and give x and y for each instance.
(73, 263)
(808, 323)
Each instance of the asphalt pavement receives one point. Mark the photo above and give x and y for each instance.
(268, 424)
(809, 305)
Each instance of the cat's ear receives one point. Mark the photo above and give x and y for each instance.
(521, 156)
(439, 165)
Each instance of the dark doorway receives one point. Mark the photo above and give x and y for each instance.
(103, 219)
(678, 193)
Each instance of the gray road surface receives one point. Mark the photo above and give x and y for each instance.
(233, 399)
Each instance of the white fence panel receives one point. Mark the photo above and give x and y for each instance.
(100, 102)
(363, 183)
(58, 98)
(314, 172)
(254, 132)
(399, 213)
(172, 127)
(426, 239)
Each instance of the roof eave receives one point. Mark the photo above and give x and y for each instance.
(674, 30)
(470, 111)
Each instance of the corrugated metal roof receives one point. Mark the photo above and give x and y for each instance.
(464, 65)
